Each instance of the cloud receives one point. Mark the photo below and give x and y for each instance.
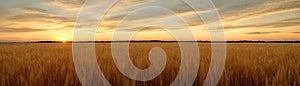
(33, 22)
(33, 10)
(234, 11)
(149, 16)
(33, 19)
(177, 6)
(37, 17)
(260, 9)
(71, 5)
(25, 29)
(153, 14)
(276, 24)
(253, 33)
(145, 29)
(75, 5)
(291, 20)
(263, 32)
(295, 32)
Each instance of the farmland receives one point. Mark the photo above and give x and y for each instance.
(246, 64)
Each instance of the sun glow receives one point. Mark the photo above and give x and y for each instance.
(63, 39)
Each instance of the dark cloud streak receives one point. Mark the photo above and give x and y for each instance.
(278, 24)
(254, 33)
(25, 29)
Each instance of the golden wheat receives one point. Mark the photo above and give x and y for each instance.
(246, 64)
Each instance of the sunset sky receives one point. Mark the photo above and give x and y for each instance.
(31, 20)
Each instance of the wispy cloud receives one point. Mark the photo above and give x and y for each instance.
(253, 33)
(33, 10)
(276, 24)
(295, 32)
(260, 8)
(71, 5)
(24, 29)
(35, 19)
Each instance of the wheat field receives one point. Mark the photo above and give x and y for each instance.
(247, 64)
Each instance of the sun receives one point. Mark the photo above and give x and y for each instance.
(63, 39)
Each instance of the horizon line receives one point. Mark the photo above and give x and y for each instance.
(102, 41)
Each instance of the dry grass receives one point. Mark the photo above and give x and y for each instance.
(246, 64)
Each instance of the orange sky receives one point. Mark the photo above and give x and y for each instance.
(242, 20)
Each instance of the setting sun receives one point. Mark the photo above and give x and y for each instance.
(63, 39)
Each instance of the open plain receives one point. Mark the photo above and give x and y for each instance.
(247, 64)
